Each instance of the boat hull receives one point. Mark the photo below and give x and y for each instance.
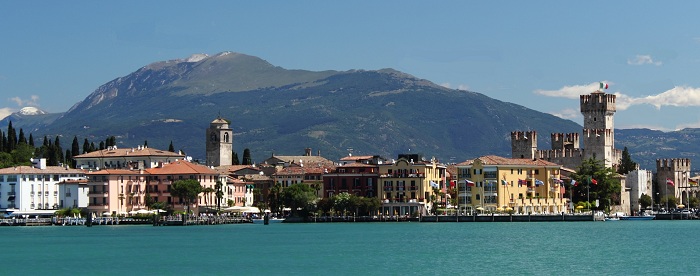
(637, 218)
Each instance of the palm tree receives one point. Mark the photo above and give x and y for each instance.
(219, 194)
(207, 194)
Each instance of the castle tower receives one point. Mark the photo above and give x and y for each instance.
(219, 143)
(523, 144)
(598, 109)
(562, 141)
(678, 171)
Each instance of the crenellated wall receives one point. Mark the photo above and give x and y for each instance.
(523, 144)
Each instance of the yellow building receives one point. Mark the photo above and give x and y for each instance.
(407, 185)
(493, 184)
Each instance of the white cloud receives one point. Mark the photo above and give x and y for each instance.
(6, 111)
(32, 101)
(568, 113)
(570, 92)
(652, 127)
(681, 96)
(643, 59)
(676, 96)
(459, 87)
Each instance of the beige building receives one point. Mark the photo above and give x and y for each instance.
(492, 184)
(409, 184)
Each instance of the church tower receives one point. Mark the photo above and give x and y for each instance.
(598, 109)
(219, 143)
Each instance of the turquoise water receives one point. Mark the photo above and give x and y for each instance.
(550, 248)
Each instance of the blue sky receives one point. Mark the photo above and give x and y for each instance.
(539, 54)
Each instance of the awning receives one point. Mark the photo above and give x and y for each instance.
(12, 197)
(33, 212)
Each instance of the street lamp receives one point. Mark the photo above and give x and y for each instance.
(657, 207)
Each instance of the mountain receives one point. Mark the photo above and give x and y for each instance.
(281, 111)
(30, 119)
(645, 145)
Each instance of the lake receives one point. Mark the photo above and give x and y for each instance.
(393, 248)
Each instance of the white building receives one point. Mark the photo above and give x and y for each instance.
(141, 157)
(32, 188)
(638, 182)
(73, 194)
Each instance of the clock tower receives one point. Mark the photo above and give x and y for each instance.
(219, 143)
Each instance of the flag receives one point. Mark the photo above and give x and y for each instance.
(693, 182)
(521, 182)
(573, 182)
(433, 184)
(538, 182)
(603, 85)
(470, 183)
(595, 182)
(503, 181)
(669, 182)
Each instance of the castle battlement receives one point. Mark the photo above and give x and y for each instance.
(559, 153)
(673, 164)
(523, 135)
(598, 102)
(565, 141)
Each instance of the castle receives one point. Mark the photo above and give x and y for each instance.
(598, 109)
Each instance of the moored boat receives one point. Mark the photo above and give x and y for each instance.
(637, 217)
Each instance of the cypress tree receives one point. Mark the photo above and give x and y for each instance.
(69, 159)
(46, 142)
(31, 140)
(21, 139)
(86, 146)
(74, 149)
(171, 148)
(235, 160)
(58, 151)
(102, 145)
(92, 147)
(3, 142)
(11, 138)
(246, 157)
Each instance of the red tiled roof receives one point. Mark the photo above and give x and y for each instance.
(33, 170)
(356, 158)
(299, 171)
(498, 160)
(182, 167)
(125, 152)
(116, 172)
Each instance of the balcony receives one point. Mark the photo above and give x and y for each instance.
(68, 194)
(413, 188)
(10, 194)
(388, 189)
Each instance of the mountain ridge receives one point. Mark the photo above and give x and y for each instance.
(276, 110)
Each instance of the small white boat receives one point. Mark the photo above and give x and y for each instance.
(612, 219)
(272, 220)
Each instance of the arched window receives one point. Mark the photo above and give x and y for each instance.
(226, 137)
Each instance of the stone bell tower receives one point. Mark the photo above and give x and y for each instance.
(219, 143)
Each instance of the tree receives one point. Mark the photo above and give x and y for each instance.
(208, 191)
(626, 163)
(186, 190)
(274, 198)
(21, 139)
(246, 157)
(171, 148)
(298, 197)
(645, 201)
(31, 140)
(693, 202)
(235, 160)
(21, 155)
(219, 194)
(86, 146)
(341, 202)
(607, 189)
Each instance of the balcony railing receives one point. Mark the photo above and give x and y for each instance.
(68, 194)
